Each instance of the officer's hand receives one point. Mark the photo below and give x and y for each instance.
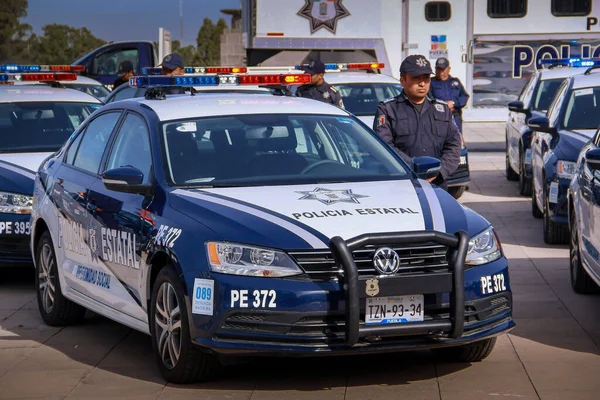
(450, 104)
(431, 179)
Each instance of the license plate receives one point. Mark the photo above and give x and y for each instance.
(394, 309)
(463, 160)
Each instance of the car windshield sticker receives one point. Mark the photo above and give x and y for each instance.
(187, 127)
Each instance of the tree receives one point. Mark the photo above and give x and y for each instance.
(209, 42)
(63, 44)
(13, 43)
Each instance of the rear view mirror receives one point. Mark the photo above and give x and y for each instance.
(517, 106)
(592, 159)
(426, 167)
(540, 124)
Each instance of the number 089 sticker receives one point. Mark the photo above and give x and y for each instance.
(203, 295)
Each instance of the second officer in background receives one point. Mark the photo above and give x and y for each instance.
(318, 89)
(415, 124)
(450, 89)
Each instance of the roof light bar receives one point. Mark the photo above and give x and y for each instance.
(345, 66)
(199, 70)
(214, 80)
(40, 77)
(571, 62)
(14, 68)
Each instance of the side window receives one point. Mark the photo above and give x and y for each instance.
(108, 63)
(438, 11)
(506, 8)
(555, 107)
(94, 142)
(73, 148)
(571, 8)
(132, 147)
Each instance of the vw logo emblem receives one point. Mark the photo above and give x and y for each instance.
(386, 261)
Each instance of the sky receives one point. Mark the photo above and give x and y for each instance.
(114, 20)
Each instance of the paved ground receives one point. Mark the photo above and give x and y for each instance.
(554, 353)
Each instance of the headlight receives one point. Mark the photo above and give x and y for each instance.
(237, 259)
(483, 248)
(15, 203)
(565, 169)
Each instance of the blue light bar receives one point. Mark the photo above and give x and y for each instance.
(571, 62)
(328, 66)
(3, 77)
(20, 68)
(165, 80)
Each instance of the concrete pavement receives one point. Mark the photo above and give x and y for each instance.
(553, 353)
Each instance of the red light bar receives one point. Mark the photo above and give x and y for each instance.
(226, 70)
(366, 65)
(49, 77)
(274, 79)
(67, 68)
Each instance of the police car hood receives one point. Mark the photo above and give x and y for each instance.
(31, 161)
(15, 178)
(307, 216)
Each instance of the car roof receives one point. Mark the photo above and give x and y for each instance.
(583, 81)
(358, 77)
(217, 104)
(561, 72)
(31, 93)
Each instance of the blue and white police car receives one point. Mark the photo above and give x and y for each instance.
(583, 202)
(534, 100)
(225, 224)
(35, 121)
(572, 120)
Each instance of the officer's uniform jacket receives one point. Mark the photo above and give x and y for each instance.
(450, 89)
(323, 92)
(431, 132)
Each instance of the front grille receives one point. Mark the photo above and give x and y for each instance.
(330, 329)
(420, 259)
(14, 245)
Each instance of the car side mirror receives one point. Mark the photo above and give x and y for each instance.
(517, 106)
(540, 124)
(592, 159)
(125, 179)
(426, 167)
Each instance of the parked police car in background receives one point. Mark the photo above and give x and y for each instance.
(572, 120)
(583, 199)
(34, 122)
(251, 224)
(534, 100)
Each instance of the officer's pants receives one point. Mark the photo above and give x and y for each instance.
(458, 121)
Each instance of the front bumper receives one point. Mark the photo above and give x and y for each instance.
(462, 175)
(313, 317)
(558, 209)
(14, 240)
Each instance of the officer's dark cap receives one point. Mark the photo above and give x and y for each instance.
(172, 61)
(442, 63)
(416, 65)
(125, 67)
(315, 67)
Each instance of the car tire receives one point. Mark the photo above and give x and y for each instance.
(524, 182)
(535, 210)
(511, 175)
(553, 233)
(169, 327)
(456, 191)
(581, 282)
(472, 352)
(55, 309)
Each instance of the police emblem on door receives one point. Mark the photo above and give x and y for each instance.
(386, 261)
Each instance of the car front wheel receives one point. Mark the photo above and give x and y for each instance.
(179, 360)
(580, 280)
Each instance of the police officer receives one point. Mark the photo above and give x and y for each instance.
(318, 89)
(125, 72)
(415, 124)
(449, 89)
(172, 64)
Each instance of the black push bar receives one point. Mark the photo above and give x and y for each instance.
(458, 245)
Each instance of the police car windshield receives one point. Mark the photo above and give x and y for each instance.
(545, 93)
(362, 99)
(97, 91)
(263, 149)
(583, 109)
(39, 126)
